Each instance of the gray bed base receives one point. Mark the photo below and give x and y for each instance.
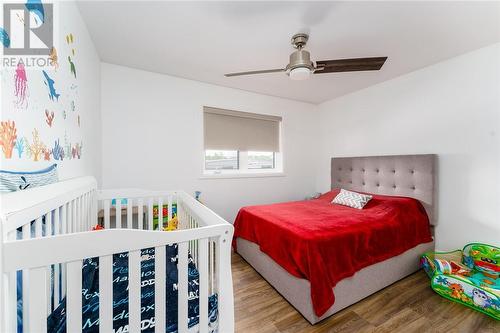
(400, 175)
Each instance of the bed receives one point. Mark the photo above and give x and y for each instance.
(404, 181)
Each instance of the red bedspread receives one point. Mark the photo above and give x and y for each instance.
(325, 242)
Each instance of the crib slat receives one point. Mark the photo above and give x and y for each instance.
(134, 297)
(25, 278)
(64, 219)
(10, 298)
(182, 287)
(140, 206)
(37, 319)
(129, 213)
(169, 208)
(160, 213)
(10, 303)
(203, 280)
(48, 224)
(150, 214)
(118, 213)
(57, 276)
(106, 294)
(74, 297)
(38, 227)
(106, 214)
(160, 283)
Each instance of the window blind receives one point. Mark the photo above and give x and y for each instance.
(234, 130)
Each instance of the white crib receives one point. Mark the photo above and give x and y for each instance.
(63, 215)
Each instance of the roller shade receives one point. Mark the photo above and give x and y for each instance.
(234, 130)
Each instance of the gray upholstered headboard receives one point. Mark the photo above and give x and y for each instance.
(400, 175)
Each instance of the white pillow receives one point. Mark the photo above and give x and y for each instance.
(352, 199)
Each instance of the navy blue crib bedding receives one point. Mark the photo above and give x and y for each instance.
(56, 322)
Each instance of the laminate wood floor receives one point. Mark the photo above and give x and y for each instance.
(409, 305)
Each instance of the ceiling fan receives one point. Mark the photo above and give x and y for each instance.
(301, 67)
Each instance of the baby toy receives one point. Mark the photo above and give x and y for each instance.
(470, 276)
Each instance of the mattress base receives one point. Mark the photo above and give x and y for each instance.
(347, 292)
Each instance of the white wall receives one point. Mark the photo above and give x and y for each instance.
(82, 91)
(153, 138)
(451, 109)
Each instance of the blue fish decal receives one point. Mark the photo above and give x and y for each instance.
(50, 85)
(36, 7)
(4, 37)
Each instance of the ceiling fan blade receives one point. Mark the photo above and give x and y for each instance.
(264, 71)
(349, 65)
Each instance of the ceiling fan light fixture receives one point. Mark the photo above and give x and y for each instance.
(300, 73)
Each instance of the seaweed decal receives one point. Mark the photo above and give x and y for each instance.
(72, 67)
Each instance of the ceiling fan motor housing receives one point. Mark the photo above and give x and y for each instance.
(300, 58)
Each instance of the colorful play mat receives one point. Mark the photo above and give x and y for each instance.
(469, 276)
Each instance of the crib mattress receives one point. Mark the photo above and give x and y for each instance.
(56, 322)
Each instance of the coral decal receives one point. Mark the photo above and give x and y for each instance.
(53, 58)
(21, 86)
(72, 66)
(49, 117)
(4, 37)
(50, 85)
(37, 147)
(76, 151)
(8, 137)
(19, 146)
(57, 151)
(46, 154)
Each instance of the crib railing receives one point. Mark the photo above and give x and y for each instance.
(55, 244)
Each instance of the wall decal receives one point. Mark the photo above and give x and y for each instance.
(36, 147)
(49, 117)
(53, 58)
(19, 146)
(64, 114)
(69, 40)
(46, 154)
(78, 120)
(57, 151)
(72, 106)
(68, 150)
(72, 66)
(21, 86)
(4, 37)
(8, 137)
(76, 151)
(36, 7)
(50, 85)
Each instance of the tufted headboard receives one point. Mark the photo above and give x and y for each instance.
(400, 175)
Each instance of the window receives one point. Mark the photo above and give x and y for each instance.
(241, 143)
(261, 160)
(221, 160)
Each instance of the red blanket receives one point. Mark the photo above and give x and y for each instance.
(325, 242)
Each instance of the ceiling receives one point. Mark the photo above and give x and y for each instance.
(204, 40)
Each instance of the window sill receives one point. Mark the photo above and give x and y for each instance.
(242, 175)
